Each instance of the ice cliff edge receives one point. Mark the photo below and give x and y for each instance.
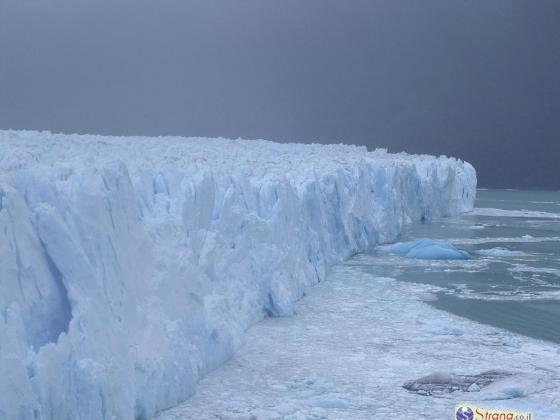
(130, 267)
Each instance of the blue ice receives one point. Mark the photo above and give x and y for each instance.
(429, 249)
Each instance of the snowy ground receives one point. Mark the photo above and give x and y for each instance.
(354, 341)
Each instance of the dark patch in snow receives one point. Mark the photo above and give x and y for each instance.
(445, 383)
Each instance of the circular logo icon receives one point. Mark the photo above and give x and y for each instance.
(464, 413)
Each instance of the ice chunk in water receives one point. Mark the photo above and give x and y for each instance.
(443, 383)
(500, 252)
(429, 249)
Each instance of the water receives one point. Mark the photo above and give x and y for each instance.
(513, 279)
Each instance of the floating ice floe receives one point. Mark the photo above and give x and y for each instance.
(429, 249)
(520, 239)
(443, 383)
(439, 327)
(491, 212)
(490, 385)
(500, 252)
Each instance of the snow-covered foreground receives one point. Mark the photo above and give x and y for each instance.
(353, 343)
(131, 267)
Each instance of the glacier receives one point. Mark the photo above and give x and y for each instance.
(130, 267)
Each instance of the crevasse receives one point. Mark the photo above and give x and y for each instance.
(131, 267)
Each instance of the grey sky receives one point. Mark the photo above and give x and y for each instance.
(474, 79)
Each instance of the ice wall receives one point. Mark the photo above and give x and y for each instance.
(130, 267)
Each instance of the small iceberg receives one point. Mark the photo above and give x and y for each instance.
(500, 252)
(429, 249)
(444, 383)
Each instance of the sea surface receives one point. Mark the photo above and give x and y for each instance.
(513, 278)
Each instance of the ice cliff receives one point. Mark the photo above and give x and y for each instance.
(130, 267)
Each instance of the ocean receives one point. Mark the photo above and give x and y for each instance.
(512, 280)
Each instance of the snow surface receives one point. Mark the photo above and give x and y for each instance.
(131, 267)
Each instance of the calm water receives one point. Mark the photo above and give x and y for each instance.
(513, 278)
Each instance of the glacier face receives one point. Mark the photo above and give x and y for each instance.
(131, 267)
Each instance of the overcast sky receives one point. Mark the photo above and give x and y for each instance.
(476, 79)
